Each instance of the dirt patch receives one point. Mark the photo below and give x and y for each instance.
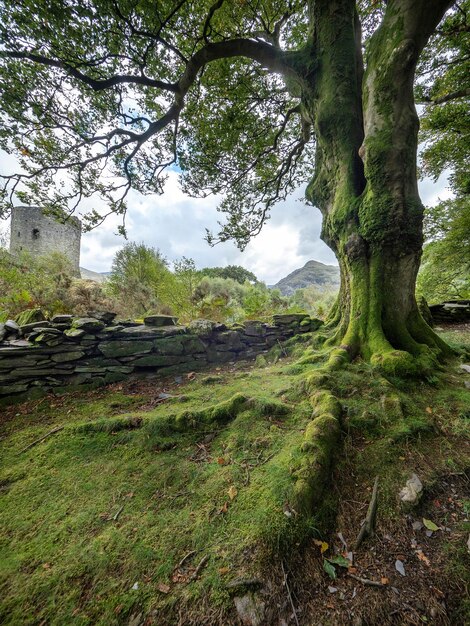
(429, 592)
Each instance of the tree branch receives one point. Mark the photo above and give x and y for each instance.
(454, 95)
(95, 84)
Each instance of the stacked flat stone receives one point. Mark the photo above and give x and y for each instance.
(68, 353)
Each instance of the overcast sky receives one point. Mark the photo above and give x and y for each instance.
(175, 224)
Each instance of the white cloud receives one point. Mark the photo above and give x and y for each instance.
(176, 225)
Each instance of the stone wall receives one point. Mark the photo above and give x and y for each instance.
(67, 353)
(38, 234)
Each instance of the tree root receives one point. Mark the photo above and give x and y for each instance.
(188, 420)
(320, 438)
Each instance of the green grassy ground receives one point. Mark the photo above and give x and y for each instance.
(95, 519)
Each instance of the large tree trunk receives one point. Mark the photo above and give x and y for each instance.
(365, 183)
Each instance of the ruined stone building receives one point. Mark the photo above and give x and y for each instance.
(35, 233)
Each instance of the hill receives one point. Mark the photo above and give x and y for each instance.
(312, 273)
(98, 277)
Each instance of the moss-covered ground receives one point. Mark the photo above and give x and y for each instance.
(147, 508)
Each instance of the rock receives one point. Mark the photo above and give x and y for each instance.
(202, 328)
(192, 344)
(89, 324)
(104, 316)
(169, 345)
(74, 333)
(411, 493)
(29, 316)
(231, 338)
(62, 319)
(3, 332)
(160, 320)
(127, 323)
(10, 389)
(287, 319)
(124, 348)
(112, 330)
(155, 360)
(465, 368)
(63, 357)
(250, 609)
(48, 339)
(254, 329)
(11, 327)
(26, 329)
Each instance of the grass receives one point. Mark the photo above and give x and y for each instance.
(95, 519)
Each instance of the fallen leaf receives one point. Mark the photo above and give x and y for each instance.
(221, 460)
(191, 375)
(340, 560)
(163, 588)
(232, 492)
(384, 580)
(430, 525)
(46, 566)
(400, 567)
(329, 569)
(422, 557)
(323, 545)
(428, 409)
(353, 570)
(224, 570)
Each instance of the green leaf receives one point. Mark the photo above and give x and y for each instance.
(340, 560)
(430, 525)
(329, 569)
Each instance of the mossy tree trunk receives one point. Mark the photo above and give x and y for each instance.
(366, 182)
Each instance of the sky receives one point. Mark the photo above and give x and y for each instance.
(175, 224)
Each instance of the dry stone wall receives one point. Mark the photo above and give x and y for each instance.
(39, 356)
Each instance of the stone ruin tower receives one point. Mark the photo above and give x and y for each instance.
(33, 232)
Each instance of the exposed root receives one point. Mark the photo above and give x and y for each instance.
(220, 413)
(109, 425)
(320, 438)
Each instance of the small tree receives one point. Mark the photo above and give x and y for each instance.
(139, 278)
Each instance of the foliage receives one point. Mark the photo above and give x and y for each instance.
(139, 279)
(445, 129)
(235, 272)
(28, 282)
(314, 301)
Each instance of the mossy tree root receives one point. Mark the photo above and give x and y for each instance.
(321, 439)
(188, 420)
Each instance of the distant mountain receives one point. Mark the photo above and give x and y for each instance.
(312, 273)
(98, 277)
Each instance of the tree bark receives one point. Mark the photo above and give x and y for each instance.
(366, 182)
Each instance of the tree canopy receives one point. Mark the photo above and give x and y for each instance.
(246, 99)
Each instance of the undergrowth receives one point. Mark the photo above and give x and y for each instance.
(96, 519)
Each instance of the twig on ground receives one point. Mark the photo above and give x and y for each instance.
(117, 514)
(368, 526)
(195, 574)
(289, 595)
(33, 443)
(366, 581)
(185, 558)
